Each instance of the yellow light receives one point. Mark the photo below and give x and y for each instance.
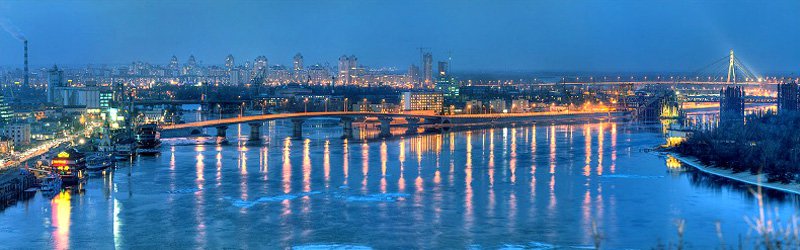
(63, 155)
(672, 162)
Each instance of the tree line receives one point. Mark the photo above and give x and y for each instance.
(765, 143)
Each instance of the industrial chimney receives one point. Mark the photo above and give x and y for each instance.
(26, 64)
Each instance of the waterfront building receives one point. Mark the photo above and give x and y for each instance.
(520, 106)
(422, 101)
(70, 165)
(19, 133)
(497, 106)
(473, 107)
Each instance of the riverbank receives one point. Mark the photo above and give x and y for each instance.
(744, 177)
(13, 182)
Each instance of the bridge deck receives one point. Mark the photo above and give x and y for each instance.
(451, 118)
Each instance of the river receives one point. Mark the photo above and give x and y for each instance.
(528, 186)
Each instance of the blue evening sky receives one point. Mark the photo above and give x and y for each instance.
(609, 35)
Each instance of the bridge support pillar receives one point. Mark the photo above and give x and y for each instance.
(413, 125)
(386, 122)
(347, 127)
(255, 131)
(297, 128)
(222, 131)
(222, 137)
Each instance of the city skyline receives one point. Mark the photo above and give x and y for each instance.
(366, 124)
(600, 37)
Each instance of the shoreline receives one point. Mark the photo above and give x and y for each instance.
(744, 177)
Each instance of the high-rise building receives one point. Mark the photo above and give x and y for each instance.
(348, 70)
(229, 62)
(413, 75)
(788, 97)
(344, 69)
(174, 66)
(443, 68)
(298, 62)
(317, 74)
(192, 62)
(260, 69)
(173, 63)
(55, 79)
(353, 63)
(233, 77)
(278, 75)
(6, 114)
(731, 105)
(427, 69)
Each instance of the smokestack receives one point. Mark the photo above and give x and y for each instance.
(26, 63)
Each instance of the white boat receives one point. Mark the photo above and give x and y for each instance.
(123, 150)
(51, 182)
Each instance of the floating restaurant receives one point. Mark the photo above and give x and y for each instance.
(70, 165)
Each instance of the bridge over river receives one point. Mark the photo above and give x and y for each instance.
(413, 121)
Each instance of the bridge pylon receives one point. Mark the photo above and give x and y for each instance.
(731, 68)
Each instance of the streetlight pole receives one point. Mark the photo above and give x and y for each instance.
(305, 105)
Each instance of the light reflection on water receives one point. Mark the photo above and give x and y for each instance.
(61, 214)
(479, 187)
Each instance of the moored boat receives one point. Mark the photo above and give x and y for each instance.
(124, 149)
(148, 140)
(50, 183)
(98, 162)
